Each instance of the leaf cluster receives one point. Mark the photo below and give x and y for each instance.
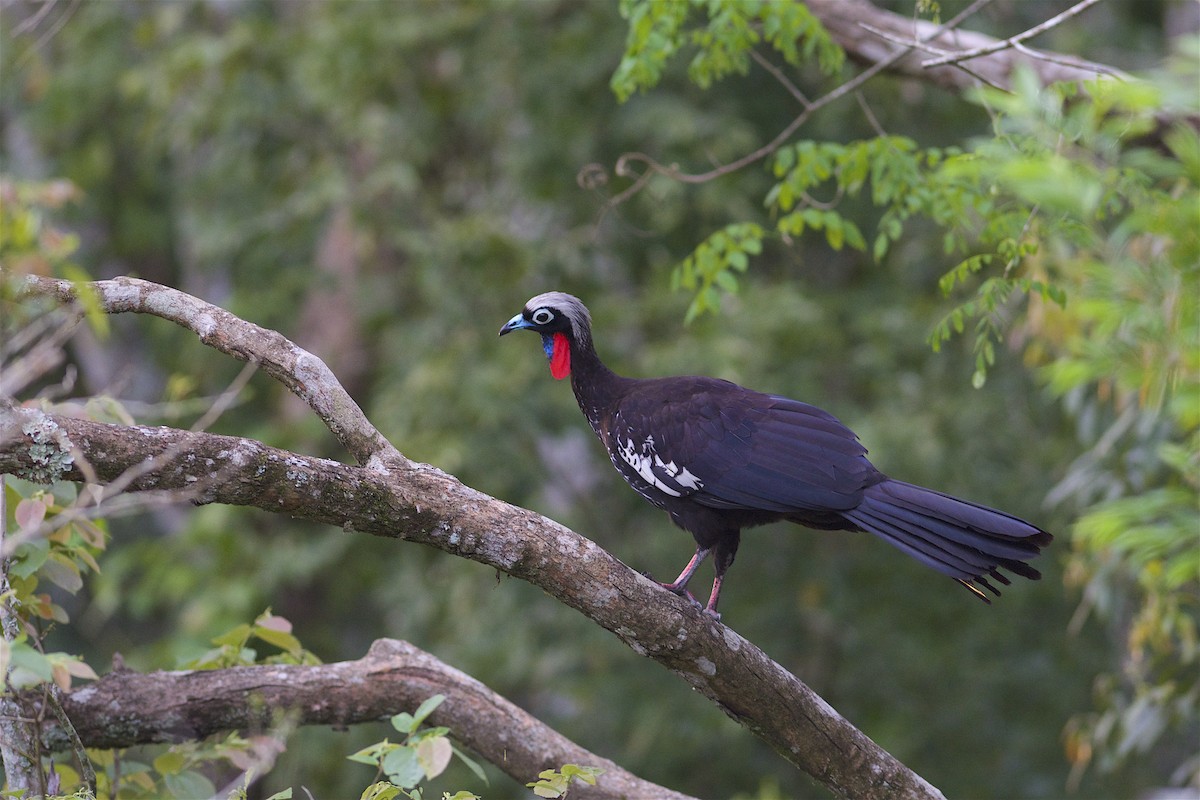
(52, 548)
(423, 754)
(232, 647)
(722, 41)
(557, 782)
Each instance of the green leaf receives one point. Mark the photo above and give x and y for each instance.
(234, 638)
(853, 236)
(834, 234)
(170, 763)
(27, 667)
(586, 774)
(403, 767)
(380, 791)
(426, 708)
(281, 639)
(372, 754)
(471, 764)
(189, 784)
(29, 557)
(62, 572)
(881, 247)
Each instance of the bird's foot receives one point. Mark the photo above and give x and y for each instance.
(681, 590)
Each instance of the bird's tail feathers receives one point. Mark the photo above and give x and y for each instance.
(966, 541)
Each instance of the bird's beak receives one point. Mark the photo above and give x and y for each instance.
(515, 324)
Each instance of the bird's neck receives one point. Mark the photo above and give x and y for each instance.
(597, 388)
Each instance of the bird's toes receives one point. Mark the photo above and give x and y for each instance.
(683, 592)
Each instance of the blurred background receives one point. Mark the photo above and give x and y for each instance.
(386, 183)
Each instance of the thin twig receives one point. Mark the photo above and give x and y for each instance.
(35, 19)
(226, 398)
(1064, 61)
(912, 42)
(42, 356)
(1011, 42)
(777, 73)
(50, 33)
(88, 772)
(870, 115)
(916, 44)
(958, 19)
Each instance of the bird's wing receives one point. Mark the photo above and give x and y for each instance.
(728, 447)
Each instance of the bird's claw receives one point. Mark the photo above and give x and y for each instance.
(682, 591)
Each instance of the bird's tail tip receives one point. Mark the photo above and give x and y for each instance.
(969, 542)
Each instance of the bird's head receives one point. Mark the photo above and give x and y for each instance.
(561, 320)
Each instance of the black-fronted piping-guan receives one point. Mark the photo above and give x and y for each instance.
(718, 458)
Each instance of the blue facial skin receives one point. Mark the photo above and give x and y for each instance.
(518, 323)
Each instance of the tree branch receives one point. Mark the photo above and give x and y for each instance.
(305, 375)
(405, 500)
(127, 708)
(850, 23)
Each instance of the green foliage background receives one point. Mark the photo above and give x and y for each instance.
(387, 183)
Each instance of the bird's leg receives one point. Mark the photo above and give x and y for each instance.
(679, 585)
(713, 596)
(726, 549)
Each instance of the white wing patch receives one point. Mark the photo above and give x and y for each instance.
(656, 472)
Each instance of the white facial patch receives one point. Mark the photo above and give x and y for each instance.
(656, 472)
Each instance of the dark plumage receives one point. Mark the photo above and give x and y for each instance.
(718, 458)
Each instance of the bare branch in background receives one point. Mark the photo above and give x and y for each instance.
(127, 708)
(1012, 42)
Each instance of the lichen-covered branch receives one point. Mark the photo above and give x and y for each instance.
(126, 708)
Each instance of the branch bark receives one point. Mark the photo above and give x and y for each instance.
(397, 498)
(127, 708)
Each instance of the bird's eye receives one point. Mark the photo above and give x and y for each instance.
(542, 316)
